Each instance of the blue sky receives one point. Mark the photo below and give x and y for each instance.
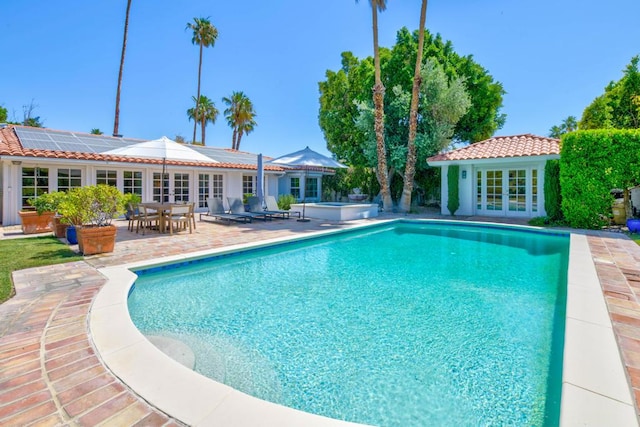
(553, 58)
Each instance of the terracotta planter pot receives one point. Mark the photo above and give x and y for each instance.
(59, 228)
(33, 223)
(96, 240)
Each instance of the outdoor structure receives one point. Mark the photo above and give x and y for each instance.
(34, 161)
(501, 176)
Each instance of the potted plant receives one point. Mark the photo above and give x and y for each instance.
(91, 209)
(40, 218)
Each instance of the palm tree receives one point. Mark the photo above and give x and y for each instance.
(378, 103)
(205, 112)
(116, 120)
(410, 167)
(240, 116)
(204, 35)
(96, 131)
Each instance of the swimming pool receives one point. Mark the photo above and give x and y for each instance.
(403, 319)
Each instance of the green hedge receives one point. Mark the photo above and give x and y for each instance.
(454, 197)
(591, 164)
(552, 191)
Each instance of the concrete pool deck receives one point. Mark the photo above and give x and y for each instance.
(51, 374)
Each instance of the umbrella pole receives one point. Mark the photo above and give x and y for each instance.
(164, 168)
(304, 195)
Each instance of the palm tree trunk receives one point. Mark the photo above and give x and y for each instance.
(234, 137)
(239, 138)
(204, 125)
(195, 122)
(410, 167)
(378, 102)
(116, 120)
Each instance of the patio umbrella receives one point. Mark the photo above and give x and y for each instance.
(163, 148)
(260, 180)
(306, 158)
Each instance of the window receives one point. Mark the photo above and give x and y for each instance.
(247, 184)
(217, 187)
(203, 189)
(181, 187)
(107, 177)
(160, 187)
(311, 188)
(132, 182)
(295, 187)
(494, 190)
(35, 181)
(518, 190)
(69, 178)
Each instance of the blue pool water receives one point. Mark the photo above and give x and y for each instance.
(405, 324)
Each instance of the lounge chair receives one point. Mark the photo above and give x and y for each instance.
(256, 206)
(217, 212)
(272, 206)
(236, 207)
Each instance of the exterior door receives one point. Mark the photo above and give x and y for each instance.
(506, 192)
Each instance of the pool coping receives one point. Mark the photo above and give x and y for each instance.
(595, 390)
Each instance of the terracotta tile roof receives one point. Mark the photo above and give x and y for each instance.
(502, 147)
(10, 146)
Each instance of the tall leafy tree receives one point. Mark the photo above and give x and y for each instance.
(3, 114)
(619, 106)
(344, 90)
(116, 120)
(240, 116)
(378, 102)
(410, 167)
(204, 35)
(203, 113)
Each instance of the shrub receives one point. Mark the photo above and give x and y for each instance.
(92, 205)
(47, 202)
(552, 191)
(285, 201)
(591, 164)
(454, 197)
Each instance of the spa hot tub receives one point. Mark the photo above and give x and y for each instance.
(334, 211)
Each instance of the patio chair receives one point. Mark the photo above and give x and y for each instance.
(133, 213)
(216, 212)
(147, 218)
(237, 207)
(256, 206)
(180, 215)
(272, 206)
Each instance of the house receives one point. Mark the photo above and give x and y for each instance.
(34, 161)
(501, 176)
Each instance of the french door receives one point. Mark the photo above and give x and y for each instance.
(507, 192)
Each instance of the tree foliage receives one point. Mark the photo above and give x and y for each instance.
(568, 125)
(3, 114)
(240, 116)
(619, 106)
(591, 164)
(345, 89)
(206, 113)
(441, 104)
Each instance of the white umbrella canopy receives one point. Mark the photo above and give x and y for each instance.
(163, 148)
(307, 157)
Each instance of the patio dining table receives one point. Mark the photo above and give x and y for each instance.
(163, 209)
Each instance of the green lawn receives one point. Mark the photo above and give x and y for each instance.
(30, 252)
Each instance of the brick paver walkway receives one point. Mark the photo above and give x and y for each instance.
(50, 374)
